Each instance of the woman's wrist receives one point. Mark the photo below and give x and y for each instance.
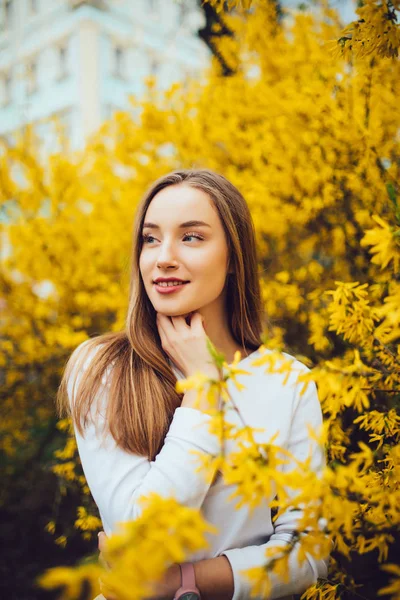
(190, 397)
(214, 578)
(167, 588)
(174, 580)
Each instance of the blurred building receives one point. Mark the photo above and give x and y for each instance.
(80, 60)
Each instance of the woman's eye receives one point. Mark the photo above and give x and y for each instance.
(146, 238)
(193, 235)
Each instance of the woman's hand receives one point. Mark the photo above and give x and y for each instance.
(165, 590)
(186, 344)
(102, 561)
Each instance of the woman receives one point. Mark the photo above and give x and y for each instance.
(194, 273)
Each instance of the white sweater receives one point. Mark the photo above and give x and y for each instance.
(117, 479)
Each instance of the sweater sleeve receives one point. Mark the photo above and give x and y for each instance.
(301, 575)
(118, 479)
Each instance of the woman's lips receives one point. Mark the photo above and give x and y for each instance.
(164, 289)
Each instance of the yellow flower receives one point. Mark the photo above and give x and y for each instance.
(87, 522)
(385, 244)
(61, 541)
(74, 580)
(50, 527)
(394, 587)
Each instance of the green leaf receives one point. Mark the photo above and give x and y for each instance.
(391, 193)
(217, 356)
(91, 559)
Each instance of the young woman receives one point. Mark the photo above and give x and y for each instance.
(194, 274)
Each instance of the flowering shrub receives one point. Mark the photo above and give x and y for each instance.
(375, 34)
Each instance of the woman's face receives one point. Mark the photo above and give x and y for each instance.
(174, 247)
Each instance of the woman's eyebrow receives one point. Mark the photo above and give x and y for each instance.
(182, 226)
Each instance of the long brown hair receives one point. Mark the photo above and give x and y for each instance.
(141, 395)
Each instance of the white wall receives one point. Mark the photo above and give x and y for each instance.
(86, 87)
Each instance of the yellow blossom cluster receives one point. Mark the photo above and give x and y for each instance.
(131, 577)
(87, 523)
(358, 499)
(375, 33)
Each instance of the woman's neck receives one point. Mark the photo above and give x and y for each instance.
(218, 331)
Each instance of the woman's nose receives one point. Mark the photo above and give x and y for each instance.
(166, 257)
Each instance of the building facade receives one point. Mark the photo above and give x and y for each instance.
(80, 60)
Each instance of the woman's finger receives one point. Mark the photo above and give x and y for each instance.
(102, 541)
(102, 546)
(103, 562)
(166, 341)
(180, 324)
(198, 321)
(166, 323)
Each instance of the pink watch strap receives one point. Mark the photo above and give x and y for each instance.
(188, 580)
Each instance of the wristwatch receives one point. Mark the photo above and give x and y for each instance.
(188, 589)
